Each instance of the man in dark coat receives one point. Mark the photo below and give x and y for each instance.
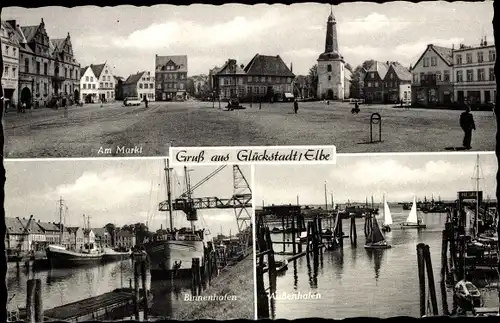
(145, 101)
(295, 106)
(467, 124)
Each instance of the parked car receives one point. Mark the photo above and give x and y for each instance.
(131, 100)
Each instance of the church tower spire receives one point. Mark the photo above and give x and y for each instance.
(331, 42)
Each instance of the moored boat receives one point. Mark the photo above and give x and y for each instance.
(386, 227)
(60, 257)
(413, 221)
(110, 255)
(376, 239)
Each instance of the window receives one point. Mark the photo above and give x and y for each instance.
(106, 72)
(329, 68)
(14, 75)
(84, 86)
(480, 74)
(460, 77)
(6, 71)
(438, 76)
(13, 52)
(106, 85)
(446, 76)
(181, 86)
(459, 59)
(426, 62)
(140, 86)
(101, 85)
(422, 77)
(249, 79)
(480, 57)
(86, 78)
(151, 86)
(256, 89)
(433, 61)
(91, 79)
(45, 68)
(470, 75)
(372, 75)
(369, 84)
(289, 80)
(391, 76)
(6, 50)
(262, 78)
(109, 78)
(492, 55)
(37, 88)
(329, 78)
(37, 67)
(45, 88)
(492, 74)
(376, 84)
(415, 77)
(468, 58)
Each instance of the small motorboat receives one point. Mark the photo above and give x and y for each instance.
(467, 296)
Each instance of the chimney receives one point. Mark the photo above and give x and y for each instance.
(485, 41)
(242, 66)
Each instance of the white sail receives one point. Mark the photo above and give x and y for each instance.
(387, 214)
(412, 217)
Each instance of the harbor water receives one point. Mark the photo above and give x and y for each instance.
(63, 286)
(357, 282)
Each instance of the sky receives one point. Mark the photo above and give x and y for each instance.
(399, 177)
(128, 37)
(117, 191)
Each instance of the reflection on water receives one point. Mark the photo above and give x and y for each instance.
(358, 282)
(63, 286)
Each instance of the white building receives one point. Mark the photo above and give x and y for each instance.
(141, 85)
(474, 73)
(89, 85)
(10, 58)
(331, 80)
(432, 81)
(106, 82)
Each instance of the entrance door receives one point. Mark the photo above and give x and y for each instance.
(26, 96)
(460, 96)
(487, 96)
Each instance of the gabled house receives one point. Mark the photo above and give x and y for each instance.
(16, 237)
(51, 231)
(231, 80)
(106, 85)
(36, 236)
(397, 84)
(76, 238)
(171, 77)
(374, 83)
(125, 239)
(432, 81)
(10, 58)
(141, 85)
(88, 238)
(102, 237)
(89, 85)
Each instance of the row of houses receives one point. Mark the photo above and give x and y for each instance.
(28, 234)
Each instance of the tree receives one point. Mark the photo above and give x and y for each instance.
(313, 80)
(190, 86)
(357, 78)
(111, 230)
(348, 67)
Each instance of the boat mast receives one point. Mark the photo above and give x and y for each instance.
(326, 199)
(60, 220)
(477, 196)
(188, 190)
(169, 194)
(333, 203)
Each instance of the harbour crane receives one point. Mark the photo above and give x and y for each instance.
(240, 201)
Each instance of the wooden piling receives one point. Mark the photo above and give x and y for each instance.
(271, 262)
(353, 234)
(262, 299)
(144, 290)
(444, 255)
(38, 301)
(315, 239)
(30, 301)
(284, 231)
(295, 234)
(341, 233)
(430, 279)
(421, 277)
(136, 290)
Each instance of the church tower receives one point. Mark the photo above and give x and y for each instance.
(331, 65)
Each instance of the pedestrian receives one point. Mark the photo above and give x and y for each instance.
(146, 101)
(467, 124)
(295, 106)
(23, 107)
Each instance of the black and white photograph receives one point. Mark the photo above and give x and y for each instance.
(378, 236)
(111, 239)
(132, 81)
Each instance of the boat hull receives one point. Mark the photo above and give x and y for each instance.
(173, 256)
(375, 246)
(116, 257)
(68, 259)
(413, 226)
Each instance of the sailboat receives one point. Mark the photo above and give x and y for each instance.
(174, 251)
(376, 239)
(413, 221)
(387, 217)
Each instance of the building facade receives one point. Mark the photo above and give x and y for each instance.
(374, 90)
(51, 231)
(474, 73)
(265, 78)
(10, 58)
(212, 79)
(331, 65)
(102, 237)
(397, 84)
(35, 236)
(171, 77)
(48, 71)
(432, 76)
(141, 85)
(106, 86)
(125, 239)
(89, 86)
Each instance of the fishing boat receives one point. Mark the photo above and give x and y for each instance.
(60, 257)
(413, 222)
(467, 296)
(376, 239)
(173, 251)
(110, 255)
(387, 217)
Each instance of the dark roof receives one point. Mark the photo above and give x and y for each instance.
(179, 60)
(125, 233)
(231, 67)
(401, 72)
(33, 228)
(268, 66)
(134, 78)
(13, 226)
(58, 43)
(29, 32)
(99, 232)
(118, 78)
(83, 70)
(445, 53)
(330, 56)
(379, 67)
(97, 69)
(48, 226)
